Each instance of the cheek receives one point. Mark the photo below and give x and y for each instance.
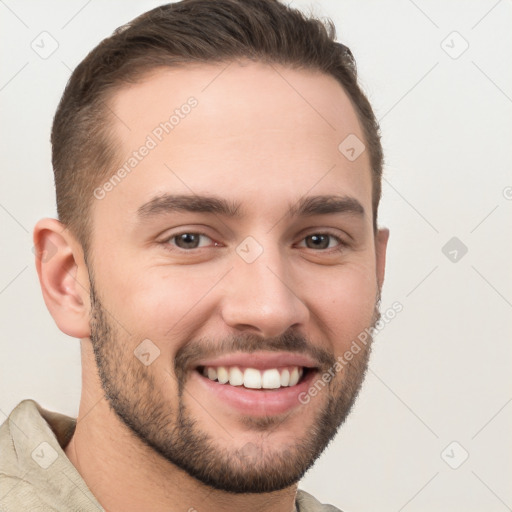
(160, 303)
(355, 290)
(344, 301)
(168, 304)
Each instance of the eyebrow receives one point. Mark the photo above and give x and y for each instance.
(306, 206)
(321, 205)
(167, 203)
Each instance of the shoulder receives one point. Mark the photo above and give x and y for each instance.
(35, 473)
(15, 432)
(16, 425)
(307, 503)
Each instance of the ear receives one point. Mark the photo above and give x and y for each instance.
(63, 277)
(381, 244)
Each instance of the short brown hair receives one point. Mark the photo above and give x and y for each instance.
(84, 150)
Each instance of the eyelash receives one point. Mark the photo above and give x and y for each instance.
(167, 245)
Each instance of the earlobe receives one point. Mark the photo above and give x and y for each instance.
(381, 243)
(63, 277)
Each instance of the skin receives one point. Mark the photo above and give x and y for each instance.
(263, 137)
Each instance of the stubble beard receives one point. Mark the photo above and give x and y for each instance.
(133, 394)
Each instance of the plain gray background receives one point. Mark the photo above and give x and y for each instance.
(439, 386)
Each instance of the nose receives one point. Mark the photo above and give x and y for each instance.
(260, 297)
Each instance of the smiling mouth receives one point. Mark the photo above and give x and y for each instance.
(253, 378)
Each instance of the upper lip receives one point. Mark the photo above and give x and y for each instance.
(260, 360)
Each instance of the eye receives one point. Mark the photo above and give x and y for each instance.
(321, 241)
(190, 240)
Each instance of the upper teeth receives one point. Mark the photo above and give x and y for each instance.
(273, 378)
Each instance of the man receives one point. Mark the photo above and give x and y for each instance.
(217, 171)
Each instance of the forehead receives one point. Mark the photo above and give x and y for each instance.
(236, 129)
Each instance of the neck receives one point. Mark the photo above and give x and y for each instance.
(126, 475)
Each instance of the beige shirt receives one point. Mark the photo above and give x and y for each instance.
(37, 476)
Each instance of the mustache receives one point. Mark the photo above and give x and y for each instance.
(188, 355)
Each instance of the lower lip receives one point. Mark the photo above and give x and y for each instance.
(257, 402)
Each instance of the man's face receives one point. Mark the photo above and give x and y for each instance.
(220, 254)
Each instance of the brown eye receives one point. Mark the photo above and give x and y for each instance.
(189, 240)
(322, 241)
(317, 241)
